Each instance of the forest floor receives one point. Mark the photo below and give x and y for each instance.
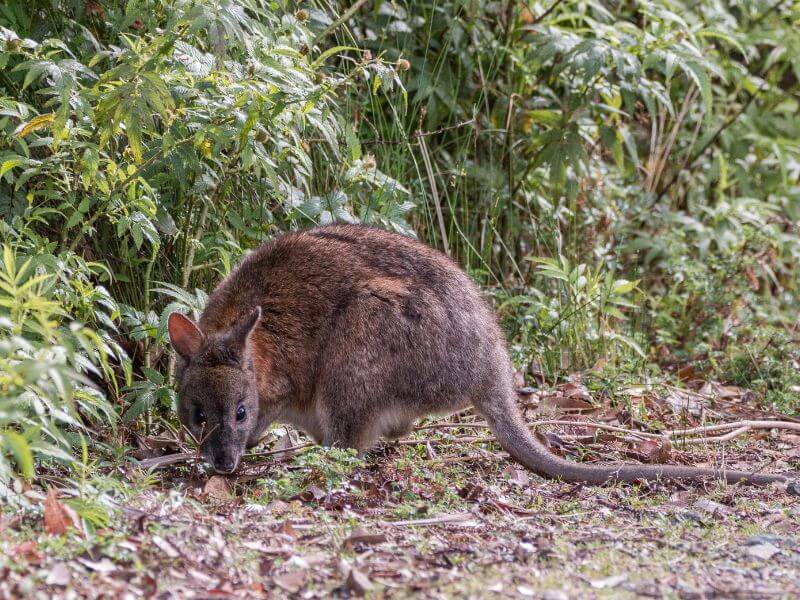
(443, 514)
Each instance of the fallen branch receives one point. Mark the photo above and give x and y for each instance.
(685, 436)
(735, 425)
(166, 460)
(457, 518)
(670, 434)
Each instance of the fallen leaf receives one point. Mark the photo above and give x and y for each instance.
(763, 551)
(165, 547)
(524, 590)
(608, 582)
(287, 529)
(103, 566)
(218, 488)
(57, 517)
(574, 401)
(654, 451)
(292, 581)
(310, 494)
(686, 373)
(683, 403)
(282, 447)
(357, 582)
(27, 552)
(710, 507)
(59, 575)
(359, 536)
(470, 491)
(516, 476)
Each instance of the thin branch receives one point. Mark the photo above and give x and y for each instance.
(457, 518)
(702, 150)
(426, 159)
(546, 13)
(345, 16)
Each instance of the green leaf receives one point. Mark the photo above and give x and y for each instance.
(9, 164)
(19, 447)
(320, 60)
(35, 124)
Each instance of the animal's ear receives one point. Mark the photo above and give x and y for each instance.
(185, 336)
(241, 330)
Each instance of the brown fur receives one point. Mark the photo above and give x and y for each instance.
(352, 333)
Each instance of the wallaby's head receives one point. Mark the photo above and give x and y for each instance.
(217, 397)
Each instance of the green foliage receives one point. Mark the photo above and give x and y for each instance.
(622, 176)
(143, 147)
(572, 316)
(656, 139)
(46, 398)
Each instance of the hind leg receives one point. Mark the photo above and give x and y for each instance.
(398, 430)
(360, 389)
(346, 431)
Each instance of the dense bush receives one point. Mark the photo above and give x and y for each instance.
(644, 141)
(144, 146)
(622, 178)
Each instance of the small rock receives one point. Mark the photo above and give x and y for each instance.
(524, 590)
(357, 582)
(763, 551)
(555, 595)
(608, 582)
(763, 539)
(524, 551)
(59, 575)
(291, 581)
(710, 507)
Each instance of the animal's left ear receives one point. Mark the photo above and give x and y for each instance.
(241, 330)
(184, 334)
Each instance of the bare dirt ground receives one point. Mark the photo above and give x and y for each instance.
(444, 514)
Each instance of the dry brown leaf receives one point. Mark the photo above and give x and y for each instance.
(359, 536)
(654, 451)
(517, 476)
(291, 582)
(564, 403)
(311, 494)
(27, 552)
(59, 575)
(57, 517)
(358, 583)
(686, 373)
(287, 529)
(218, 488)
(165, 547)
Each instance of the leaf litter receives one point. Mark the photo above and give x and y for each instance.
(400, 524)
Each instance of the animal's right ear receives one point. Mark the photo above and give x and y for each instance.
(185, 336)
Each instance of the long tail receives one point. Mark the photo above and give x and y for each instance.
(507, 423)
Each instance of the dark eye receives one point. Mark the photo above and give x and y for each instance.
(241, 413)
(199, 416)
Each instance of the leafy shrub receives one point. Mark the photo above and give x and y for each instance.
(46, 399)
(146, 145)
(143, 147)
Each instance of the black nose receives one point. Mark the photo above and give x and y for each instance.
(225, 465)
